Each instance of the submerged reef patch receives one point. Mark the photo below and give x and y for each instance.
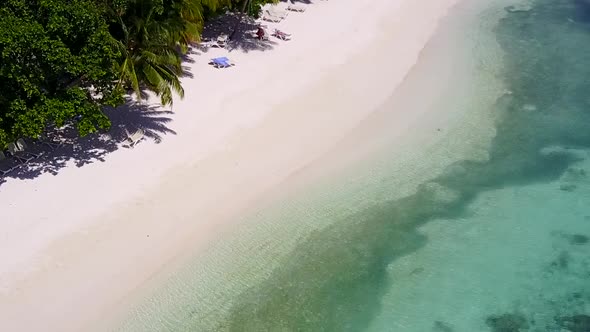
(578, 239)
(508, 322)
(440, 326)
(575, 323)
(562, 261)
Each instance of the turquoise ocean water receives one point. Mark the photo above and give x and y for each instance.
(500, 243)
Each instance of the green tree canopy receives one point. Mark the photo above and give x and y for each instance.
(65, 59)
(56, 63)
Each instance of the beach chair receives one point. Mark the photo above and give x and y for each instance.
(296, 8)
(3, 162)
(221, 62)
(56, 138)
(52, 144)
(281, 35)
(19, 155)
(22, 147)
(222, 40)
(133, 139)
(278, 13)
(270, 18)
(206, 44)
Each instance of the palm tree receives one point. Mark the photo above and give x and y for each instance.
(189, 17)
(151, 36)
(148, 47)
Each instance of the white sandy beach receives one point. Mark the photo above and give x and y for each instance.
(76, 245)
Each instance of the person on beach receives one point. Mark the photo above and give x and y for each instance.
(260, 33)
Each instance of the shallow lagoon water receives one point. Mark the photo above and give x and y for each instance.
(493, 243)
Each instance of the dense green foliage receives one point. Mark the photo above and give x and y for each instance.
(52, 55)
(253, 7)
(65, 59)
(150, 36)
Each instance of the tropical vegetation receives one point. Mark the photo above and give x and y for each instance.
(65, 60)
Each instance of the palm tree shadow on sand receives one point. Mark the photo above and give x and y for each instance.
(241, 29)
(133, 116)
(81, 151)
